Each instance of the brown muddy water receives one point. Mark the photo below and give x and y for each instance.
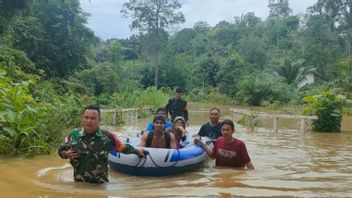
(288, 164)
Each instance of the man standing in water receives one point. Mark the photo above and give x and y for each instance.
(228, 151)
(177, 106)
(88, 148)
(212, 129)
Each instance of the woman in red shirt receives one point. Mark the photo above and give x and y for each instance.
(228, 151)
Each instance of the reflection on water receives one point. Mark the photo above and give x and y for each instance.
(288, 164)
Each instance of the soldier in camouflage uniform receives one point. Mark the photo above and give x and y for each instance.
(88, 148)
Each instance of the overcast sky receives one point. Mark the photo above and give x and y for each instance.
(107, 21)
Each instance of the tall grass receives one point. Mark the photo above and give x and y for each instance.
(136, 98)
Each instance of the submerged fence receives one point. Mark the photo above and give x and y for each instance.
(115, 117)
(254, 116)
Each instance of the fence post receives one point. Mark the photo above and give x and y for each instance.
(303, 125)
(275, 124)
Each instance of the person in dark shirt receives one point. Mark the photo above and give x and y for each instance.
(212, 129)
(177, 106)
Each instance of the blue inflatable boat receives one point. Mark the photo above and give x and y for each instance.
(159, 162)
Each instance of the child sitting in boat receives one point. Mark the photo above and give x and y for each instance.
(179, 130)
(228, 151)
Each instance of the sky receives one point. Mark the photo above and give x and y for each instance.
(107, 22)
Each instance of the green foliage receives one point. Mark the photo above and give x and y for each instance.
(230, 74)
(53, 35)
(55, 65)
(136, 98)
(9, 9)
(260, 87)
(249, 121)
(101, 78)
(29, 127)
(329, 108)
(279, 8)
(153, 17)
(17, 64)
(210, 96)
(19, 119)
(175, 71)
(341, 74)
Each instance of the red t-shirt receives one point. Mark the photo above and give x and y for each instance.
(232, 154)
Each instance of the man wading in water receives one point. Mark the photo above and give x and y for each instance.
(177, 106)
(88, 148)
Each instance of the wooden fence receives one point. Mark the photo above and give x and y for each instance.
(115, 117)
(254, 116)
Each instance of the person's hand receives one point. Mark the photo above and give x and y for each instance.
(198, 142)
(181, 130)
(71, 154)
(141, 153)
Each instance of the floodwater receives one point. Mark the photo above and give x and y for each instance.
(289, 163)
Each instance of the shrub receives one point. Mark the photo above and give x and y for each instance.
(260, 87)
(329, 108)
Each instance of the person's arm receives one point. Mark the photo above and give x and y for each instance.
(167, 107)
(185, 140)
(183, 134)
(201, 144)
(65, 151)
(245, 157)
(172, 141)
(125, 148)
(201, 131)
(250, 166)
(144, 140)
(186, 112)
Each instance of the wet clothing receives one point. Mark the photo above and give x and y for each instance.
(232, 154)
(177, 108)
(91, 164)
(150, 126)
(167, 139)
(208, 131)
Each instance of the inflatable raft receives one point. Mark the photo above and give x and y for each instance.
(159, 162)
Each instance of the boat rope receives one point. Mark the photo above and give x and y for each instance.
(145, 159)
(156, 165)
(140, 159)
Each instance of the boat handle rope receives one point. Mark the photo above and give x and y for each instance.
(155, 164)
(140, 159)
(146, 153)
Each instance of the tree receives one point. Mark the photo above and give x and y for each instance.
(54, 36)
(258, 87)
(279, 8)
(230, 73)
(9, 9)
(293, 70)
(153, 16)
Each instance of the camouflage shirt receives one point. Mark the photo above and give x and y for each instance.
(91, 164)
